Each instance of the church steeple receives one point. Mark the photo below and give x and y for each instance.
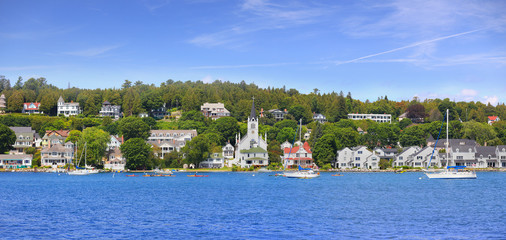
(253, 113)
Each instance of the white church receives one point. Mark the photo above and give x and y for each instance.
(251, 150)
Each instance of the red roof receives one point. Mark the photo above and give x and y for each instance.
(492, 118)
(296, 158)
(37, 105)
(63, 133)
(295, 149)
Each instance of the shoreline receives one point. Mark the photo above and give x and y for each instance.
(50, 170)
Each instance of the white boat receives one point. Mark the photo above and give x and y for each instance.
(80, 171)
(450, 172)
(304, 173)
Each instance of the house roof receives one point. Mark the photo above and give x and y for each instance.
(254, 150)
(15, 156)
(57, 148)
(22, 129)
(60, 99)
(26, 106)
(296, 148)
(457, 142)
(492, 118)
(485, 151)
(63, 133)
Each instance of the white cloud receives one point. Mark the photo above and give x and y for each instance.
(207, 79)
(92, 52)
(242, 66)
(493, 100)
(469, 92)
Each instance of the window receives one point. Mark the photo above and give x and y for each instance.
(359, 152)
(400, 158)
(419, 157)
(503, 157)
(460, 157)
(357, 158)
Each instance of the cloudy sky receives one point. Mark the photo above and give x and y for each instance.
(402, 49)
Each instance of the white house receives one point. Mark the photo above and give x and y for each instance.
(109, 110)
(403, 158)
(215, 160)
(385, 153)
(295, 156)
(380, 118)
(115, 160)
(57, 154)
(278, 114)
(25, 138)
(214, 110)
(170, 140)
(421, 158)
(357, 157)
(15, 160)
(251, 150)
(500, 153)
(114, 142)
(486, 156)
(318, 117)
(31, 108)
(228, 151)
(3, 104)
(493, 119)
(68, 109)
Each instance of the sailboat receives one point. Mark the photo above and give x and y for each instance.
(450, 172)
(304, 173)
(87, 170)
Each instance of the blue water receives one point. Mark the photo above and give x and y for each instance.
(251, 206)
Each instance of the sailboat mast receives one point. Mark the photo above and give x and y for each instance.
(447, 145)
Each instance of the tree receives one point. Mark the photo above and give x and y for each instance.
(73, 136)
(274, 151)
(286, 123)
(96, 142)
(413, 136)
(481, 132)
(15, 101)
(131, 103)
(300, 112)
(227, 127)
(325, 149)
(7, 138)
(416, 111)
(126, 84)
(136, 152)
(405, 122)
(151, 122)
(134, 127)
(197, 149)
(286, 134)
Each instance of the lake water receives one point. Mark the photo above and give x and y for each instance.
(251, 206)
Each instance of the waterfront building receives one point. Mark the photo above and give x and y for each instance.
(170, 140)
(3, 104)
(403, 158)
(24, 139)
(278, 114)
(486, 156)
(115, 160)
(294, 156)
(214, 160)
(228, 151)
(214, 110)
(15, 160)
(251, 150)
(57, 154)
(54, 136)
(318, 117)
(493, 119)
(385, 153)
(421, 158)
(109, 110)
(68, 109)
(380, 118)
(31, 108)
(357, 157)
(500, 153)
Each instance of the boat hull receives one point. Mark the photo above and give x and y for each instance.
(451, 175)
(301, 175)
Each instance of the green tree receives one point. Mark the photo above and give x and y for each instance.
(131, 103)
(274, 151)
(74, 136)
(136, 152)
(325, 149)
(227, 127)
(287, 123)
(96, 142)
(300, 112)
(15, 102)
(413, 136)
(197, 149)
(7, 138)
(134, 127)
(286, 134)
(405, 122)
(481, 132)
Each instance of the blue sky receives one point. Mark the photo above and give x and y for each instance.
(402, 49)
